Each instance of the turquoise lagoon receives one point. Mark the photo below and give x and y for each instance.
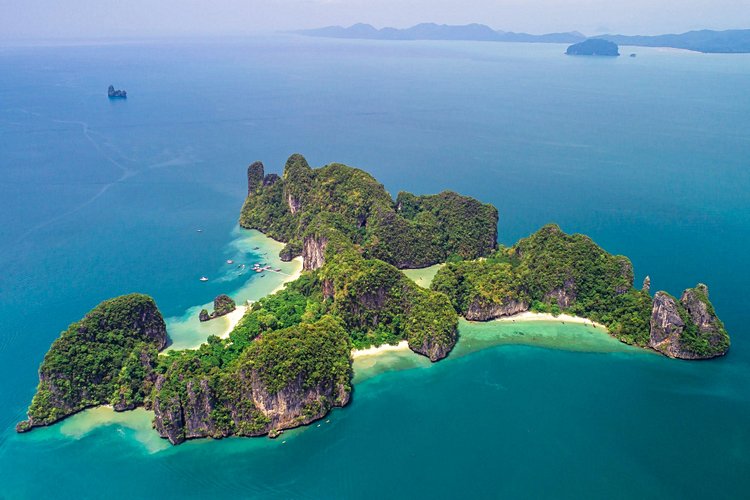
(649, 156)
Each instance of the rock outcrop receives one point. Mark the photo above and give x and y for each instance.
(688, 328)
(646, 284)
(313, 252)
(484, 311)
(223, 305)
(667, 325)
(116, 94)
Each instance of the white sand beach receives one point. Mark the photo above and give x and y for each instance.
(562, 318)
(235, 316)
(374, 351)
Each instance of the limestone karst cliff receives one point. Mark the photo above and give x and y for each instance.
(688, 328)
(283, 379)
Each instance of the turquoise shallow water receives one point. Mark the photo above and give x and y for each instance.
(649, 156)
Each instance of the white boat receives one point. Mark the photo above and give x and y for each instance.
(203, 278)
(230, 261)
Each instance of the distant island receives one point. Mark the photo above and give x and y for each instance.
(289, 359)
(594, 47)
(116, 94)
(709, 41)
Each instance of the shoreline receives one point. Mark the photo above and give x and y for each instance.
(535, 316)
(374, 351)
(235, 316)
(186, 332)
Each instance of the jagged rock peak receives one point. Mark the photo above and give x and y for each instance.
(255, 179)
(295, 164)
(646, 284)
(688, 328)
(297, 179)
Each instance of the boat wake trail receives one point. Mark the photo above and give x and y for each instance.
(112, 155)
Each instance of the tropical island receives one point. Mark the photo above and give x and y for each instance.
(594, 47)
(288, 360)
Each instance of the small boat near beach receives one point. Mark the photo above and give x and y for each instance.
(203, 278)
(230, 261)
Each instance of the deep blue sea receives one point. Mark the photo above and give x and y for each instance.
(649, 155)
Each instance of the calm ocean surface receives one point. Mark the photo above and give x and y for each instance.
(650, 156)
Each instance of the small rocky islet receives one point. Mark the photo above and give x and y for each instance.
(223, 305)
(288, 360)
(113, 93)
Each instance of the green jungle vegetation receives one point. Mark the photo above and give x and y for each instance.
(105, 358)
(413, 231)
(554, 272)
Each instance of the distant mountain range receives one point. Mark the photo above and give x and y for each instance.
(431, 31)
(730, 41)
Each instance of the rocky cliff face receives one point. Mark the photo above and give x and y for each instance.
(695, 301)
(666, 325)
(433, 347)
(313, 252)
(255, 412)
(482, 311)
(688, 328)
(563, 296)
(285, 378)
